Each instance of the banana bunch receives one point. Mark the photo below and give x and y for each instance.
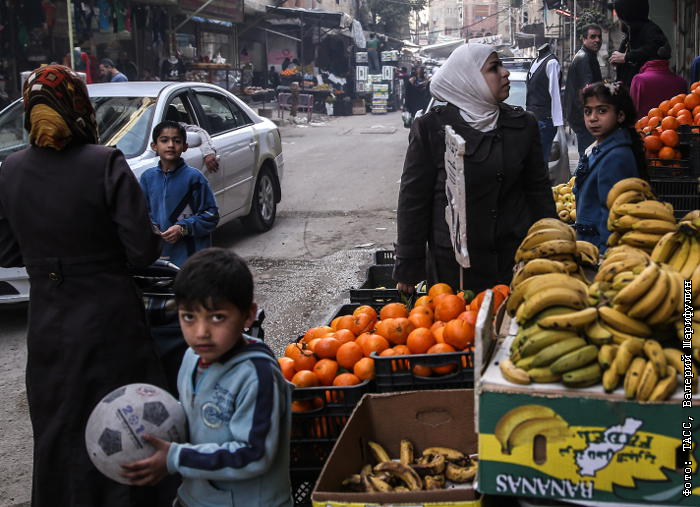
(635, 218)
(645, 370)
(520, 425)
(549, 239)
(587, 254)
(431, 470)
(681, 249)
(565, 201)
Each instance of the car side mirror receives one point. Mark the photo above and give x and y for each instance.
(194, 139)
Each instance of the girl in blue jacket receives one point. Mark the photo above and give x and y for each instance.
(609, 115)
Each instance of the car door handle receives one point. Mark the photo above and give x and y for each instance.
(252, 145)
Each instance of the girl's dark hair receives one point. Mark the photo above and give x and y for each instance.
(617, 95)
(169, 124)
(212, 276)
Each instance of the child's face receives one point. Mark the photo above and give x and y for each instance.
(601, 118)
(212, 333)
(169, 145)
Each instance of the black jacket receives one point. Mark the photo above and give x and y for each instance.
(507, 190)
(642, 41)
(583, 71)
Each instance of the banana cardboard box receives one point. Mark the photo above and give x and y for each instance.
(584, 445)
(425, 418)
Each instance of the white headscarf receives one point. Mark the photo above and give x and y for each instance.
(460, 82)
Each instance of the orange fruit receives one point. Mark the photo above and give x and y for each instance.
(696, 119)
(685, 119)
(653, 122)
(667, 153)
(439, 334)
(287, 367)
(401, 350)
(696, 110)
(302, 406)
(292, 351)
(670, 123)
(334, 323)
(692, 100)
(665, 106)
(503, 289)
(669, 138)
(424, 301)
(655, 112)
(317, 332)
(326, 370)
(364, 368)
(468, 316)
(476, 302)
(305, 378)
(421, 319)
(374, 343)
(305, 361)
(422, 371)
(387, 352)
(393, 310)
(653, 143)
(458, 333)
(694, 85)
(312, 344)
(361, 339)
(441, 348)
(440, 288)
(420, 340)
(326, 348)
(344, 336)
(346, 379)
(366, 309)
(395, 330)
(449, 307)
(678, 99)
(348, 354)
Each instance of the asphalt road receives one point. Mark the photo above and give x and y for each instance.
(338, 205)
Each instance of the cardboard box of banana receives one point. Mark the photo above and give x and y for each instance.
(434, 468)
(565, 201)
(635, 218)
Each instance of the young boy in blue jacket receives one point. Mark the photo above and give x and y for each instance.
(236, 400)
(179, 197)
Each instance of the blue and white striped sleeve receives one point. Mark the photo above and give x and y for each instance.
(255, 427)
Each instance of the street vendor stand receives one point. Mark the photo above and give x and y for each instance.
(221, 74)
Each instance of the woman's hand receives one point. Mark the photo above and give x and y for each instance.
(149, 471)
(406, 288)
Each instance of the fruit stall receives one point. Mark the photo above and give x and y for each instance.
(575, 384)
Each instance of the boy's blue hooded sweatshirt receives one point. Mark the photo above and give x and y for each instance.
(606, 164)
(239, 417)
(181, 196)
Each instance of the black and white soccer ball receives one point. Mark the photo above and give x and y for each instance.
(115, 429)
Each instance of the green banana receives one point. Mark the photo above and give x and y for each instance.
(583, 377)
(574, 360)
(548, 355)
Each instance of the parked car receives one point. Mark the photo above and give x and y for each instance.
(559, 171)
(247, 184)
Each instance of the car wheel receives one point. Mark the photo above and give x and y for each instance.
(263, 209)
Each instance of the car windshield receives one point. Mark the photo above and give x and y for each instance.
(518, 93)
(123, 122)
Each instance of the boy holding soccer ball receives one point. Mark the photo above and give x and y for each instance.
(236, 400)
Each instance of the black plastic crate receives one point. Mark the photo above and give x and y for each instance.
(384, 257)
(682, 193)
(379, 276)
(395, 373)
(303, 483)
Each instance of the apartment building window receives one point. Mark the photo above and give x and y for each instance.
(481, 12)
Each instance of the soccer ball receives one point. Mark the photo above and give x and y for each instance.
(114, 431)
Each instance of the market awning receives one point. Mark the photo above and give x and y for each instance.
(441, 49)
(224, 10)
(327, 19)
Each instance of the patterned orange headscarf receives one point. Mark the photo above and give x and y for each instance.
(65, 114)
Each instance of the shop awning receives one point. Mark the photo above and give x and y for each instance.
(225, 10)
(327, 19)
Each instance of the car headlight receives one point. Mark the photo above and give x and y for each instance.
(555, 152)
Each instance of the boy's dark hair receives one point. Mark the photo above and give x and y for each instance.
(617, 95)
(107, 62)
(590, 26)
(169, 124)
(212, 276)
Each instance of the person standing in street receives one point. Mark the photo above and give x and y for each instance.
(583, 71)
(641, 43)
(373, 54)
(544, 96)
(110, 72)
(655, 83)
(73, 213)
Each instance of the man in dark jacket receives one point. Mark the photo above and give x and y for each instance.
(583, 71)
(642, 41)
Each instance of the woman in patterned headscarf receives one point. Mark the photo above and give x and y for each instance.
(72, 212)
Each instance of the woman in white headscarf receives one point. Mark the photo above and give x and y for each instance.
(506, 181)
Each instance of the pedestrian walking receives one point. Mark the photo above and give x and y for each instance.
(507, 184)
(616, 154)
(180, 200)
(544, 96)
(73, 213)
(237, 402)
(584, 70)
(110, 73)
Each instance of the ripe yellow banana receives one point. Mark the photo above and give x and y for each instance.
(646, 209)
(652, 226)
(612, 267)
(666, 387)
(610, 379)
(622, 280)
(513, 374)
(536, 267)
(625, 223)
(539, 283)
(460, 474)
(651, 299)
(511, 419)
(638, 287)
(647, 382)
(669, 307)
(613, 239)
(547, 249)
(633, 377)
(380, 455)
(548, 223)
(554, 429)
(626, 352)
(553, 296)
(589, 248)
(543, 375)
(628, 185)
(693, 260)
(622, 322)
(656, 356)
(402, 472)
(573, 320)
(674, 357)
(641, 240)
(597, 334)
(665, 248)
(583, 377)
(406, 452)
(541, 236)
(606, 355)
(677, 260)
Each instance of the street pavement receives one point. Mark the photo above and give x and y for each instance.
(338, 205)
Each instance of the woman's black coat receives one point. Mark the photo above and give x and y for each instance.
(507, 188)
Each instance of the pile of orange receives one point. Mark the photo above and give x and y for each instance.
(339, 354)
(659, 128)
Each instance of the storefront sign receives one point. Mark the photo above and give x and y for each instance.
(228, 10)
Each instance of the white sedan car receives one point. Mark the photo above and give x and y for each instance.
(247, 184)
